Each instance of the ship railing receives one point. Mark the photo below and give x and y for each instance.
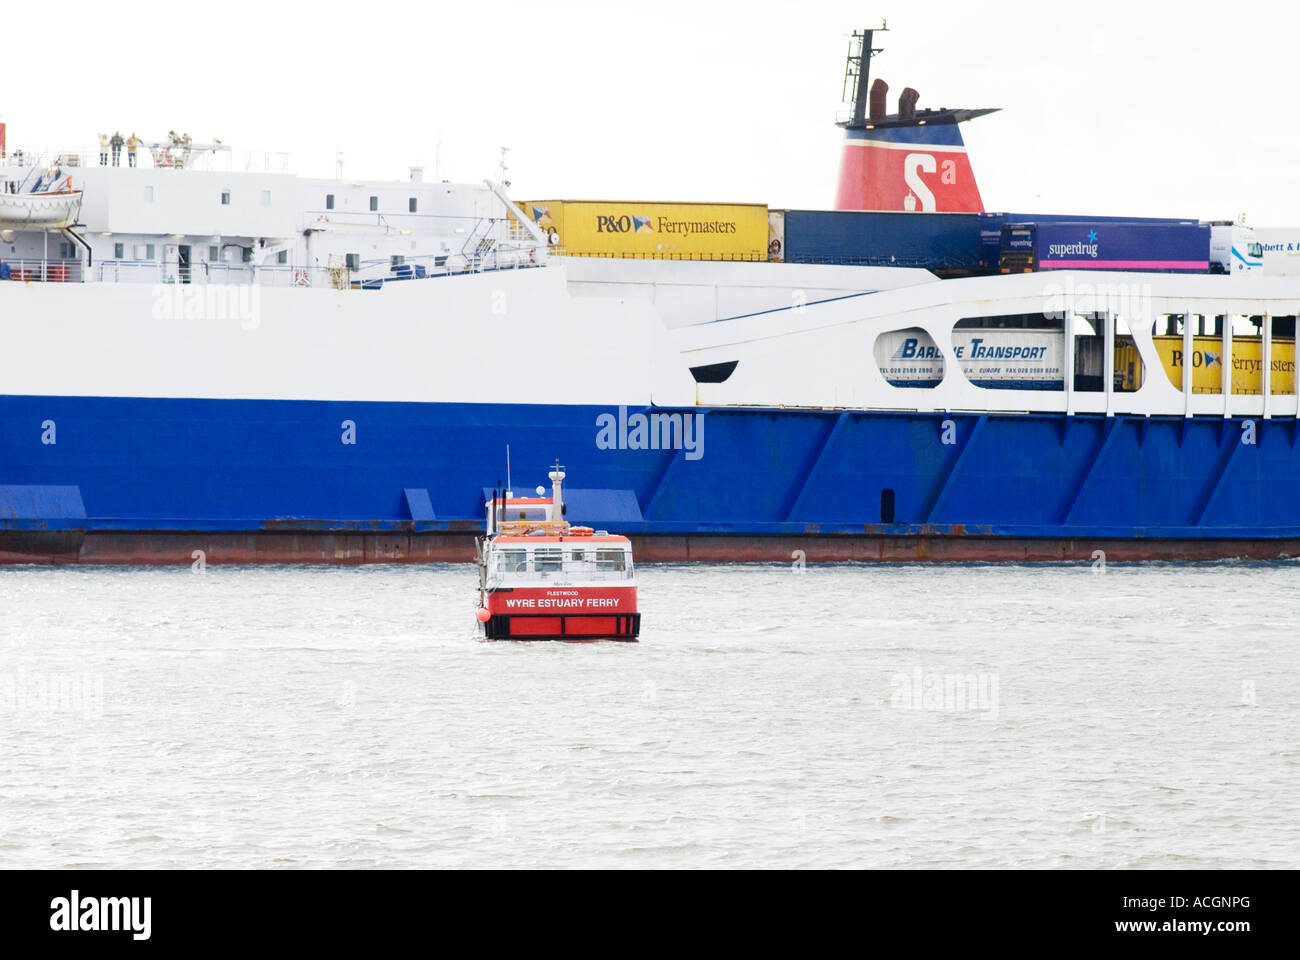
(375, 274)
(127, 271)
(156, 271)
(45, 270)
(160, 155)
(371, 274)
(479, 240)
(452, 227)
(515, 231)
(205, 272)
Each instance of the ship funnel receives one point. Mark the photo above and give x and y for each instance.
(907, 161)
(879, 91)
(907, 103)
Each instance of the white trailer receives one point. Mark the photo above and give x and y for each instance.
(1280, 247)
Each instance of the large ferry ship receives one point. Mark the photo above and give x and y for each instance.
(207, 355)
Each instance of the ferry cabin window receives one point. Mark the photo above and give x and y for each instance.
(119, 251)
(148, 251)
(578, 556)
(374, 204)
(548, 560)
(282, 256)
(214, 253)
(246, 254)
(411, 205)
(148, 194)
(266, 198)
(225, 198)
(329, 201)
(513, 561)
(521, 513)
(611, 561)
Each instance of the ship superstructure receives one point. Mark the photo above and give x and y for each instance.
(223, 217)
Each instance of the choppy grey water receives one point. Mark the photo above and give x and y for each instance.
(851, 716)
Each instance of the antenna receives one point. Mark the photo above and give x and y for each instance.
(857, 70)
(508, 486)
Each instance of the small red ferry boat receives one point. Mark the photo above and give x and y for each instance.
(542, 578)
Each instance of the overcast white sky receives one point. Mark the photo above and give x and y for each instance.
(1108, 107)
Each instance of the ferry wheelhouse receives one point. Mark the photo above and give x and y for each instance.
(543, 578)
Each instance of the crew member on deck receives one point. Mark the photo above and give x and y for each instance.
(116, 144)
(103, 149)
(5, 272)
(132, 145)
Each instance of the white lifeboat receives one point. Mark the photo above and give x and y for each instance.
(43, 210)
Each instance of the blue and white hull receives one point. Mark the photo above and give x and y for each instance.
(347, 426)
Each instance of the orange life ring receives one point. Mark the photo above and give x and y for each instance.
(581, 531)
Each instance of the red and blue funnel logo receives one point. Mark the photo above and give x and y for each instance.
(916, 168)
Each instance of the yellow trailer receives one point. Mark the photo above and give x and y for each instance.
(1207, 364)
(653, 231)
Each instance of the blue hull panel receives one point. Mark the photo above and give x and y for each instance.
(256, 465)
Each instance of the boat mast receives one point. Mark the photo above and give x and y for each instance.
(857, 70)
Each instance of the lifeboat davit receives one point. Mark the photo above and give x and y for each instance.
(542, 578)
